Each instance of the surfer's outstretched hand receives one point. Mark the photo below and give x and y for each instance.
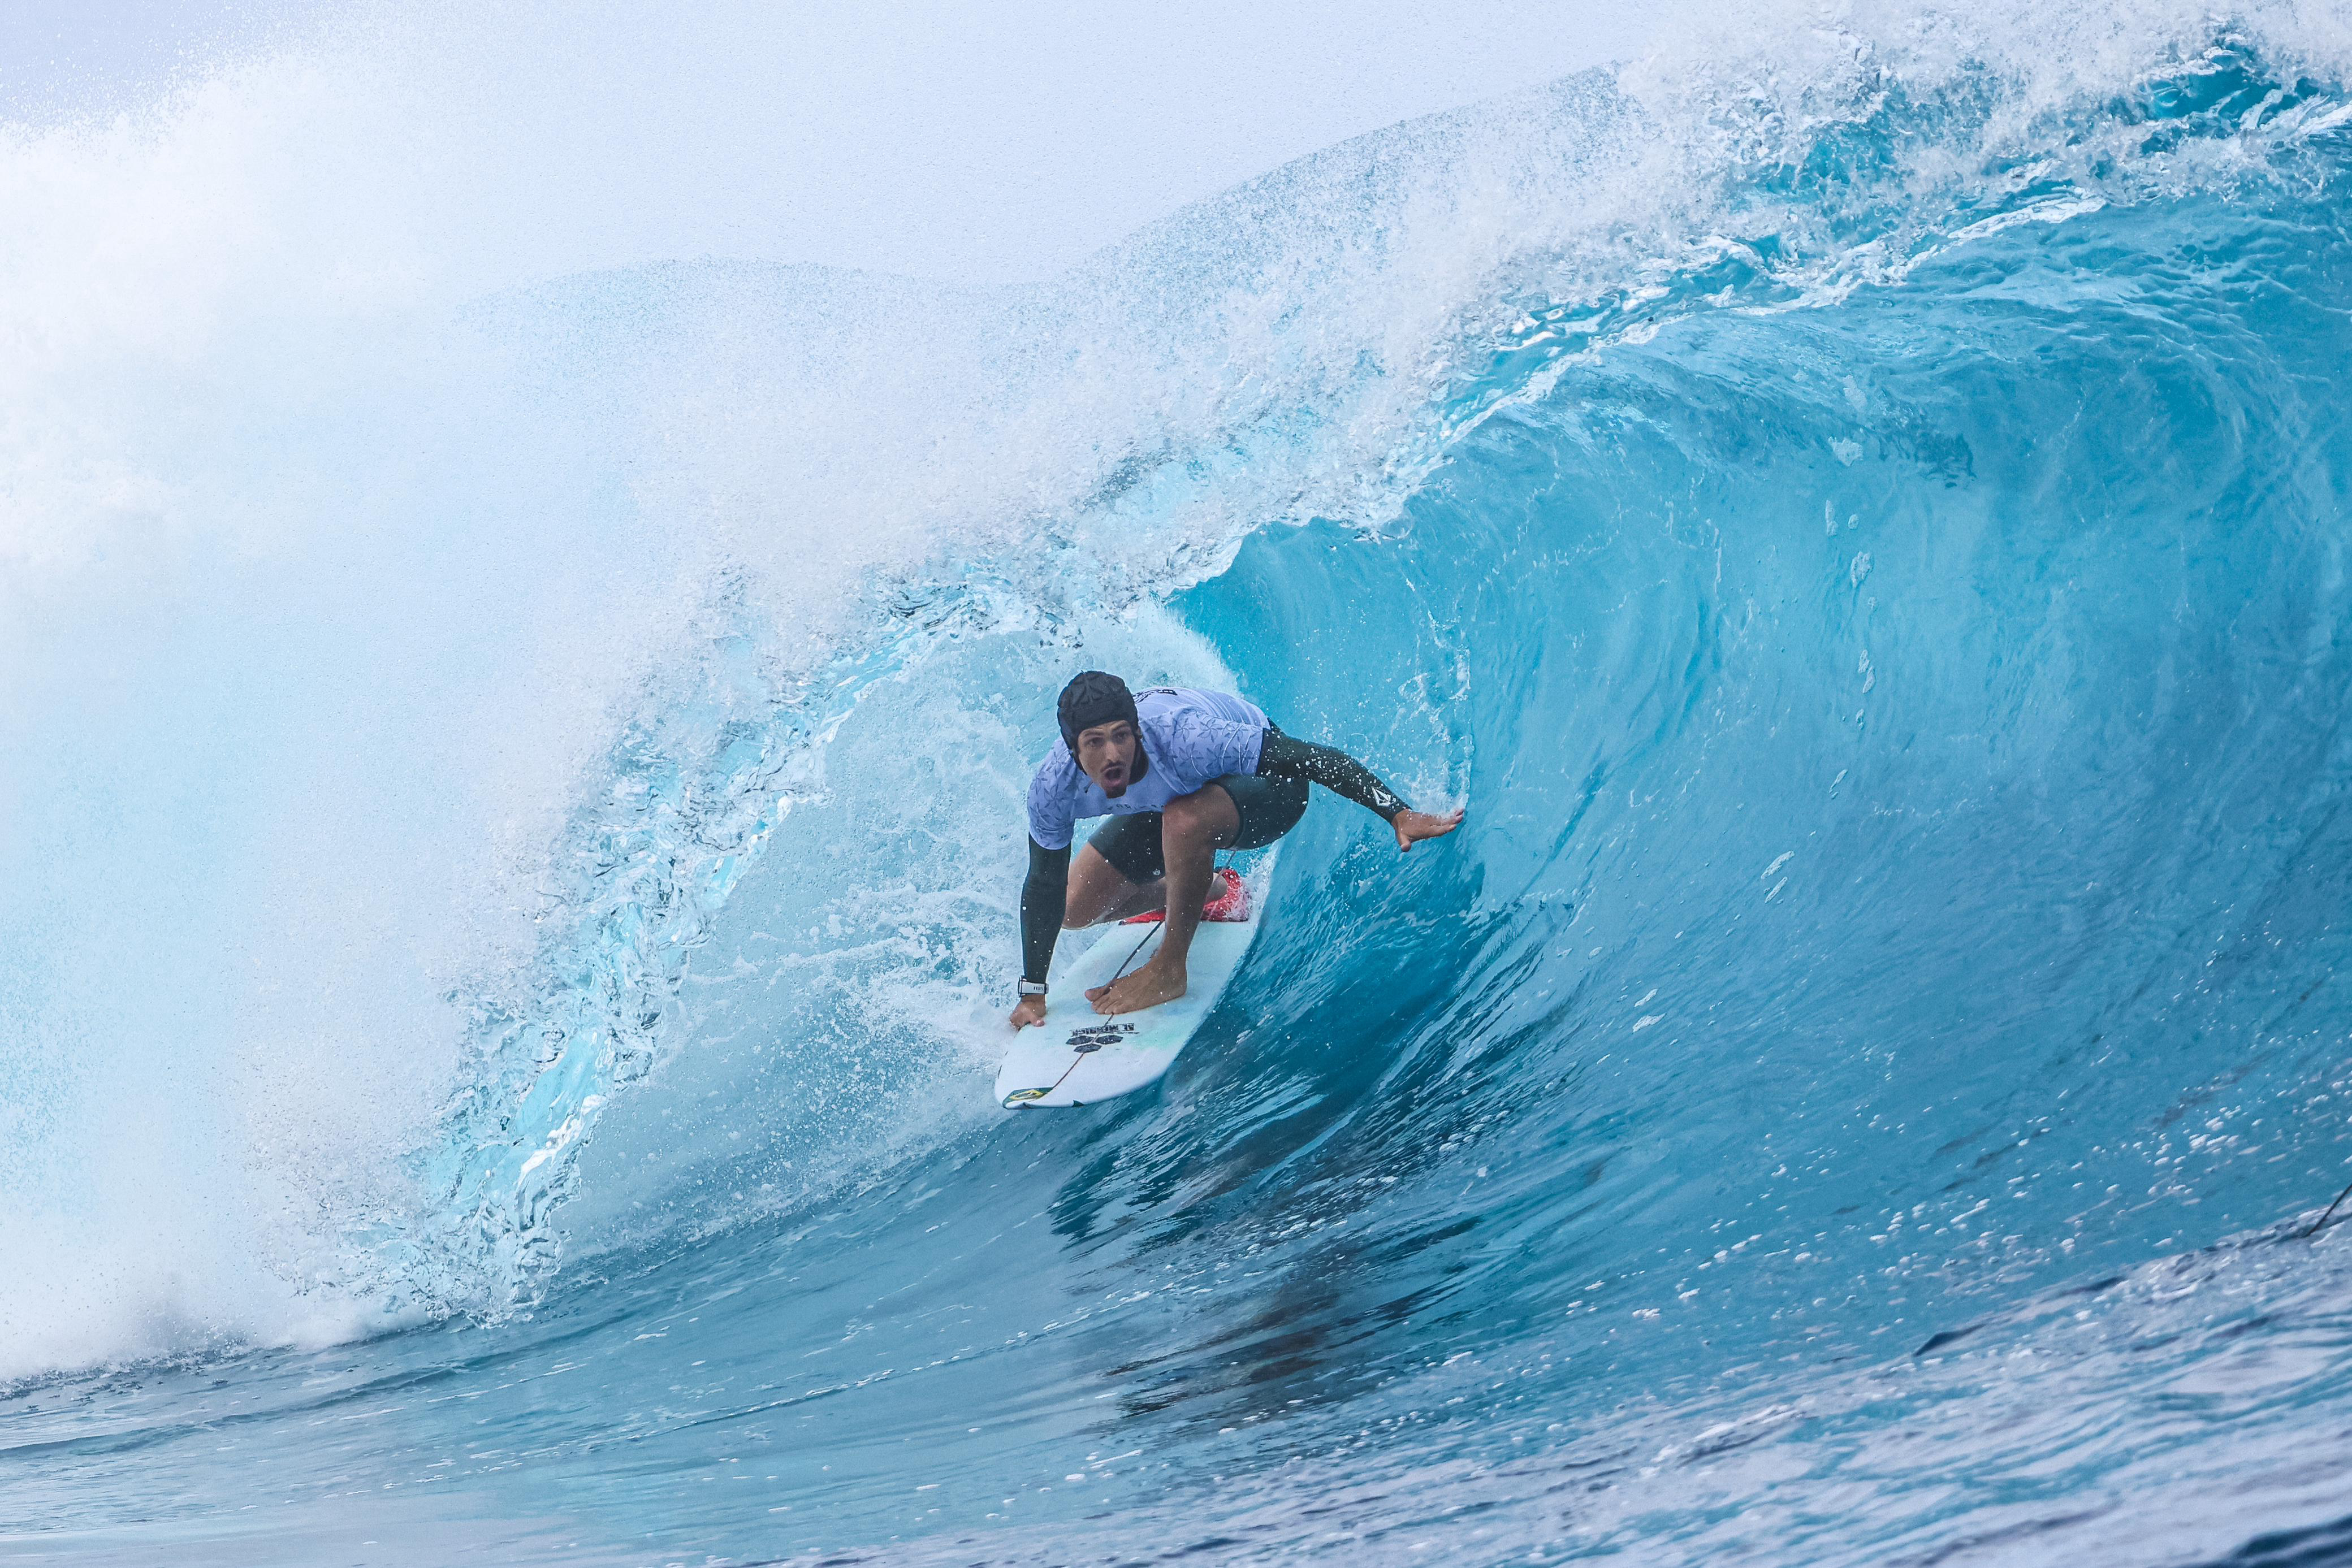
(1412, 827)
(1031, 1010)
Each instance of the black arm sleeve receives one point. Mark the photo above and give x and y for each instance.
(1045, 897)
(1287, 756)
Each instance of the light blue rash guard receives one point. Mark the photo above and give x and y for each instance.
(1188, 738)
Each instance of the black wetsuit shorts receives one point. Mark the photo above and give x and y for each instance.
(1269, 807)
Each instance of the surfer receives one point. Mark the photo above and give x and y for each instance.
(1186, 773)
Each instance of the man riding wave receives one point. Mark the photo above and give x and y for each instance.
(1185, 773)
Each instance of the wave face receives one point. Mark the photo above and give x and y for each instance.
(1856, 515)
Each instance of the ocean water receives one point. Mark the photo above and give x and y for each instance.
(512, 776)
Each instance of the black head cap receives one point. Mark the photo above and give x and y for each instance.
(1091, 698)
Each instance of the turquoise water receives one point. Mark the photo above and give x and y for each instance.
(1864, 539)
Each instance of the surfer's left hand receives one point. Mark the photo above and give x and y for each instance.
(1412, 827)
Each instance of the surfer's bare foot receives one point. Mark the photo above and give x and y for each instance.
(1146, 987)
(1412, 827)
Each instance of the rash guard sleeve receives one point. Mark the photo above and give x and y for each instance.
(1044, 898)
(1051, 819)
(1287, 757)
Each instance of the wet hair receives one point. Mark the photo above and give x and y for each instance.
(1092, 697)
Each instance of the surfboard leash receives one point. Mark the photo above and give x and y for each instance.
(1120, 973)
(1078, 1056)
(2321, 1223)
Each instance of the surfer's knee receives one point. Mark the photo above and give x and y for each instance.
(1206, 810)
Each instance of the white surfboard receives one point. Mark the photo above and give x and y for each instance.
(1077, 1057)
